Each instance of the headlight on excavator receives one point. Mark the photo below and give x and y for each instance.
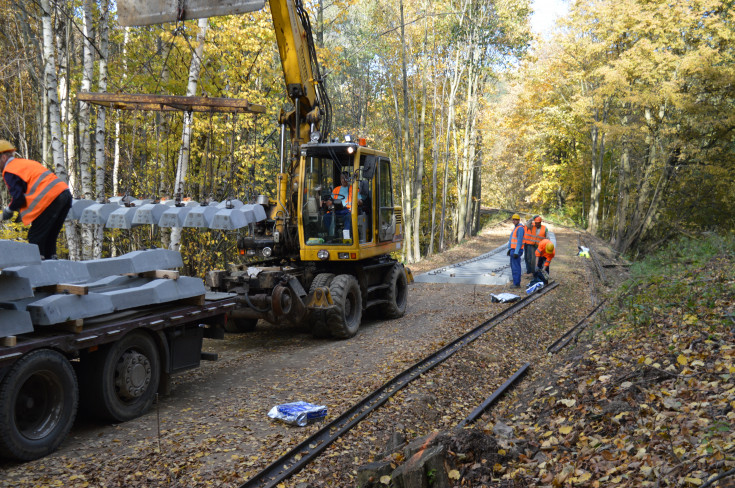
(267, 251)
(322, 254)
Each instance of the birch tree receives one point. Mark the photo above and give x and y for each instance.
(184, 151)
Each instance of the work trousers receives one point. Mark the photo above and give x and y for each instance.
(515, 266)
(46, 227)
(542, 262)
(529, 251)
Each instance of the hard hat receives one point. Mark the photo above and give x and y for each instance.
(537, 219)
(516, 216)
(549, 247)
(6, 146)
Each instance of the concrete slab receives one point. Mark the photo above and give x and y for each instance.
(134, 262)
(50, 272)
(14, 287)
(119, 199)
(122, 218)
(229, 219)
(149, 214)
(184, 287)
(140, 202)
(14, 253)
(258, 209)
(14, 322)
(174, 216)
(98, 213)
(57, 309)
(156, 292)
(77, 208)
(201, 216)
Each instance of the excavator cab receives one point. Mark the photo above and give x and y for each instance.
(346, 203)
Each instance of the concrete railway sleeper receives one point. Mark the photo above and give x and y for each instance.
(301, 455)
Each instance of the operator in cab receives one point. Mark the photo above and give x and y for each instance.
(341, 202)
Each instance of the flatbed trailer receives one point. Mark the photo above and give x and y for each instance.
(111, 366)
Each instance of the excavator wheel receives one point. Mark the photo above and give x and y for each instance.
(397, 293)
(317, 320)
(344, 319)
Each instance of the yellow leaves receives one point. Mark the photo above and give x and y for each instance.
(565, 430)
(568, 402)
(385, 479)
(453, 475)
(693, 481)
(681, 359)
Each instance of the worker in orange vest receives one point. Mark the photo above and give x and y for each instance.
(42, 199)
(342, 194)
(533, 235)
(515, 249)
(545, 253)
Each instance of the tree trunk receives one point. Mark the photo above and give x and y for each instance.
(191, 90)
(116, 163)
(99, 145)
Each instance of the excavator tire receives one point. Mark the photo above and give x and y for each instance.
(397, 293)
(317, 321)
(344, 319)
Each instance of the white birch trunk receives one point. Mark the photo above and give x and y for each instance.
(116, 164)
(191, 90)
(85, 141)
(100, 130)
(51, 84)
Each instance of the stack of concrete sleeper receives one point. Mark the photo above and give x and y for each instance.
(29, 296)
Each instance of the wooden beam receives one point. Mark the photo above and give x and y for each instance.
(169, 103)
(65, 289)
(165, 274)
(8, 341)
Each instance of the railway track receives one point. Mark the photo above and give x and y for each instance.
(301, 455)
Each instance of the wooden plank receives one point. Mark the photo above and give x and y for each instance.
(8, 341)
(165, 274)
(65, 289)
(198, 301)
(74, 326)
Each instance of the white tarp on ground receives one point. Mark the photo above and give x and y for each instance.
(492, 268)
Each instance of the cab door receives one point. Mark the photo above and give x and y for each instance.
(386, 210)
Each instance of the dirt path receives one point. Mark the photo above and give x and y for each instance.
(213, 429)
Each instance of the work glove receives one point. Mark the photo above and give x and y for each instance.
(7, 213)
(508, 253)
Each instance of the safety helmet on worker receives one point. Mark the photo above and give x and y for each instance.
(549, 247)
(516, 217)
(6, 146)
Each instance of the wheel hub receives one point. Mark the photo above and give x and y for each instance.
(133, 375)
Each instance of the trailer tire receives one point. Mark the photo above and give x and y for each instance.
(38, 403)
(240, 325)
(344, 319)
(397, 293)
(122, 380)
(317, 320)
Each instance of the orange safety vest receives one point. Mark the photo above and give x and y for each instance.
(42, 186)
(514, 237)
(539, 252)
(348, 203)
(534, 235)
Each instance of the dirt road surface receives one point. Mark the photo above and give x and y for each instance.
(212, 430)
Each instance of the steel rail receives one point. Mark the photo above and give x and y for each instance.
(301, 455)
(475, 414)
(561, 342)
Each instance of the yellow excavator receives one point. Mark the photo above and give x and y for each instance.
(323, 255)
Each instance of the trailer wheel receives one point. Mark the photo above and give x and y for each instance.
(317, 320)
(38, 403)
(397, 293)
(344, 319)
(123, 378)
(239, 325)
